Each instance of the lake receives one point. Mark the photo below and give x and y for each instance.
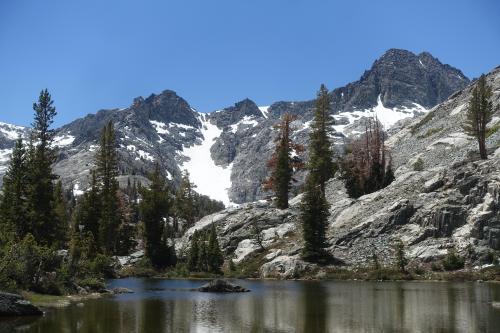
(280, 306)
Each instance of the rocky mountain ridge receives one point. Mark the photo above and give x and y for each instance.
(444, 197)
(225, 151)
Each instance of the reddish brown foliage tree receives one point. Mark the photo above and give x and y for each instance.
(283, 162)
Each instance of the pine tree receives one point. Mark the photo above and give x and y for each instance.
(314, 217)
(107, 172)
(61, 214)
(215, 258)
(88, 210)
(314, 207)
(193, 255)
(321, 164)
(13, 208)
(202, 265)
(282, 164)
(154, 211)
(184, 200)
(479, 114)
(42, 219)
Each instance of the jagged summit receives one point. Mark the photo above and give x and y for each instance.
(402, 79)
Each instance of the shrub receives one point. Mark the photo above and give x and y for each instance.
(436, 267)
(489, 258)
(453, 261)
(428, 117)
(401, 260)
(492, 130)
(430, 132)
(418, 165)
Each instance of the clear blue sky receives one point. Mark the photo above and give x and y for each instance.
(101, 54)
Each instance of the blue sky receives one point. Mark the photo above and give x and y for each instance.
(101, 54)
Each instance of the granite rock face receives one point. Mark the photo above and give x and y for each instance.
(452, 200)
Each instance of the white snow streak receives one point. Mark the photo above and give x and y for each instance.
(11, 132)
(160, 128)
(76, 190)
(387, 117)
(63, 140)
(264, 110)
(210, 179)
(247, 120)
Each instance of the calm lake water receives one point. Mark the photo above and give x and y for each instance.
(279, 306)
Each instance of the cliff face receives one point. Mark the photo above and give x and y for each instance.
(452, 199)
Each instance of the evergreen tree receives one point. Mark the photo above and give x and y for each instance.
(215, 258)
(107, 172)
(314, 217)
(314, 207)
(202, 265)
(88, 210)
(321, 164)
(42, 217)
(154, 211)
(61, 214)
(479, 114)
(193, 256)
(184, 200)
(13, 208)
(282, 164)
(401, 260)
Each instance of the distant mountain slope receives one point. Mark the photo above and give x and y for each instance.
(226, 150)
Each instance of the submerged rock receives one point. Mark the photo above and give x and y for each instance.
(221, 286)
(16, 305)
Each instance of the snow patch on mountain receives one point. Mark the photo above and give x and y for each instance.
(246, 121)
(209, 178)
(144, 155)
(4, 159)
(77, 191)
(183, 126)
(160, 128)
(387, 117)
(63, 140)
(11, 132)
(265, 111)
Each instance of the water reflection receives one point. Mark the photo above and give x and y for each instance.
(279, 306)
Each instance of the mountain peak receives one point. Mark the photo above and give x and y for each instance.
(402, 79)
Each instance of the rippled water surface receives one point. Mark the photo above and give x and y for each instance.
(279, 306)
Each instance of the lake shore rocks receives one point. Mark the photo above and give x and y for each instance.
(16, 305)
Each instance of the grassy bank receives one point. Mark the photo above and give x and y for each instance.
(53, 301)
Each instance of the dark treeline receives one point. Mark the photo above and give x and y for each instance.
(52, 242)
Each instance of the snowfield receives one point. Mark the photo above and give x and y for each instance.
(210, 179)
(387, 117)
(63, 140)
(247, 120)
(11, 132)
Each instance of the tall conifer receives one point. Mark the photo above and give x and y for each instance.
(42, 218)
(13, 209)
(107, 172)
(282, 163)
(479, 114)
(154, 212)
(314, 207)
